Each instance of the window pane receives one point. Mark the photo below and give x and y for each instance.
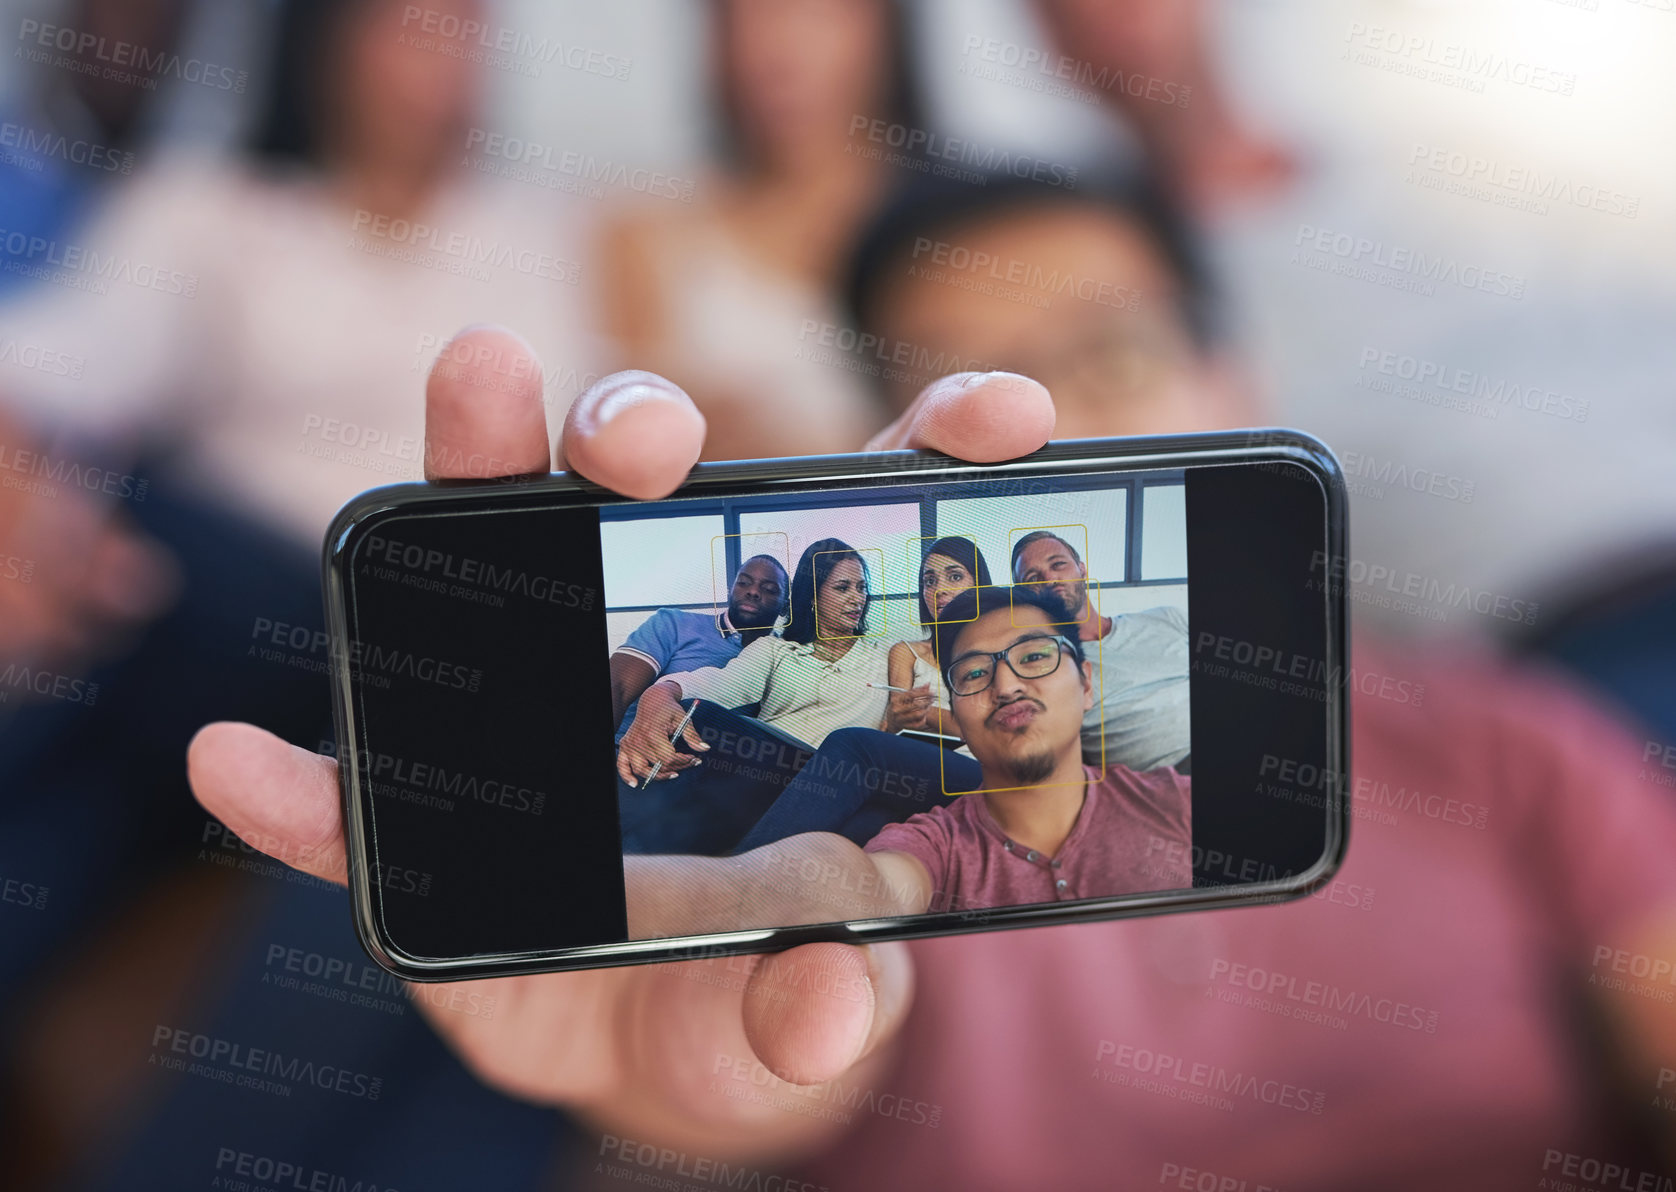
(662, 561)
(619, 625)
(1164, 531)
(885, 529)
(1092, 522)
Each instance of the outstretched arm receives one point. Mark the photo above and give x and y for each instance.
(815, 877)
(630, 676)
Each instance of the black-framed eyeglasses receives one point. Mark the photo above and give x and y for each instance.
(1033, 657)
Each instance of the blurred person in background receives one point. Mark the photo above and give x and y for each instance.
(1143, 55)
(249, 363)
(1521, 903)
(353, 219)
(722, 294)
(72, 131)
(1611, 622)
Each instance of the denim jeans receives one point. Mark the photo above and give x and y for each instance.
(860, 780)
(706, 808)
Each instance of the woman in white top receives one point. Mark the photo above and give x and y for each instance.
(296, 300)
(951, 565)
(824, 672)
(859, 780)
(735, 294)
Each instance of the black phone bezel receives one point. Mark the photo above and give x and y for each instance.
(1071, 457)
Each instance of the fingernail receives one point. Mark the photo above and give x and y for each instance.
(623, 393)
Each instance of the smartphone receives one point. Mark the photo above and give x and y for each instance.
(577, 730)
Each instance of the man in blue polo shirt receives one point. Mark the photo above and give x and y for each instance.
(672, 641)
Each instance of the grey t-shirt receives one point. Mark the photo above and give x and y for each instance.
(1140, 691)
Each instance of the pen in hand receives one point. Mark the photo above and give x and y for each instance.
(679, 729)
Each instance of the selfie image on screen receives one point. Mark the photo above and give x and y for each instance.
(987, 696)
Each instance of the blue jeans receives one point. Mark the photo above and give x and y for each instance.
(861, 779)
(706, 808)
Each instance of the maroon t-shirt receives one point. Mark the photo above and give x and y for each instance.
(1413, 1024)
(1134, 834)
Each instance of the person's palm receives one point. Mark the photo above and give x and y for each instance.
(649, 1051)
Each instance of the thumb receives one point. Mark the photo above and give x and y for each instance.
(814, 1012)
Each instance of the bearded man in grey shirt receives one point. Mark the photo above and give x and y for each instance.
(1139, 660)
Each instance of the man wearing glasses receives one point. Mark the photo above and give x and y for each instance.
(1041, 827)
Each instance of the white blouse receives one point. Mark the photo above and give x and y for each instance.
(800, 693)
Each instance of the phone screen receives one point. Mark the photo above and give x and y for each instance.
(590, 725)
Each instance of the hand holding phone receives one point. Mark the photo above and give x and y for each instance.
(630, 1048)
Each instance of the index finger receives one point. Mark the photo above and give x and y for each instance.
(483, 412)
(275, 796)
